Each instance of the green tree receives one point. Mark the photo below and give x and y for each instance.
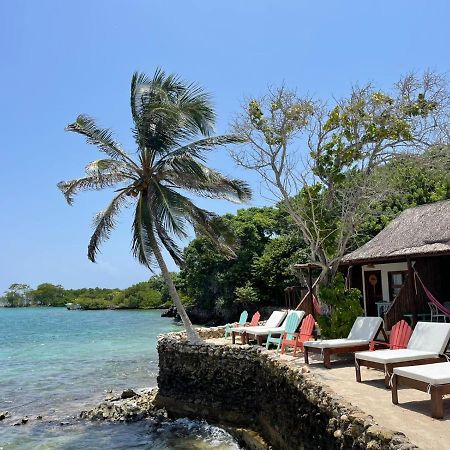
(18, 294)
(326, 187)
(49, 294)
(344, 308)
(167, 114)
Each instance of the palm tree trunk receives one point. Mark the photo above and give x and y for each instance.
(192, 335)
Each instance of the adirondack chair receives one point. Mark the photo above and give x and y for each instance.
(290, 328)
(241, 331)
(399, 338)
(305, 334)
(255, 320)
(242, 321)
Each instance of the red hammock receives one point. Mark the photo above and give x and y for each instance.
(316, 305)
(433, 299)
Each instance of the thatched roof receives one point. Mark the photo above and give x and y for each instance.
(420, 231)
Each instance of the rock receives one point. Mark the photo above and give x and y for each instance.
(128, 393)
(38, 417)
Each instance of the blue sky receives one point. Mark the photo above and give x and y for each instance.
(60, 58)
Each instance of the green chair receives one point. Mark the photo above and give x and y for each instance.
(242, 321)
(290, 328)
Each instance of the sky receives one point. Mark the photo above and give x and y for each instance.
(59, 59)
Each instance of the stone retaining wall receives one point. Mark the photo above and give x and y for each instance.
(248, 386)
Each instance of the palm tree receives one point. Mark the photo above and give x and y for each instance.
(173, 122)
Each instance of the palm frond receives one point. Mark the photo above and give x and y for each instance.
(142, 226)
(196, 107)
(205, 182)
(109, 166)
(100, 137)
(211, 226)
(104, 223)
(197, 149)
(88, 183)
(168, 206)
(173, 249)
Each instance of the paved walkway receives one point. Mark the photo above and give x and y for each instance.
(411, 416)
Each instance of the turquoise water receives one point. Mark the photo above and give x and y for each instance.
(55, 363)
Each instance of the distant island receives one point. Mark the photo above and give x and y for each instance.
(149, 294)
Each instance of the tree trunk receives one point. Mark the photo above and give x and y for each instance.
(192, 335)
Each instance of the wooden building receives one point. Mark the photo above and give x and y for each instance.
(383, 269)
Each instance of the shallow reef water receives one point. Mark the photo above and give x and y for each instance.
(55, 363)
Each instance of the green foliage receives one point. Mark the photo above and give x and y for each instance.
(263, 257)
(344, 305)
(246, 294)
(412, 182)
(49, 294)
(18, 294)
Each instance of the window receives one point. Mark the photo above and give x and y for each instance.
(396, 281)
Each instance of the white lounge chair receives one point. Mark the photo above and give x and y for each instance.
(364, 330)
(426, 345)
(259, 333)
(275, 320)
(431, 378)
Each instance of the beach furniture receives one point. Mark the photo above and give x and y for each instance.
(399, 337)
(275, 320)
(426, 346)
(260, 333)
(242, 320)
(253, 323)
(431, 378)
(298, 339)
(290, 327)
(364, 330)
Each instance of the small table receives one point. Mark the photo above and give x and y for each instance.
(382, 307)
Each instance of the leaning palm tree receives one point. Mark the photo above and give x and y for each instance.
(173, 122)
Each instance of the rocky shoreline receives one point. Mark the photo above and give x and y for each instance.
(129, 406)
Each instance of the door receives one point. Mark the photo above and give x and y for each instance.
(374, 291)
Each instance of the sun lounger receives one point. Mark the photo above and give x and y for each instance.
(364, 330)
(426, 345)
(431, 378)
(275, 320)
(259, 333)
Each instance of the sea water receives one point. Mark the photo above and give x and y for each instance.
(55, 363)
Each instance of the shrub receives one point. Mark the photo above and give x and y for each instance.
(344, 305)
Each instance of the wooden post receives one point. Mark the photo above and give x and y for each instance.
(411, 292)
(310, 287)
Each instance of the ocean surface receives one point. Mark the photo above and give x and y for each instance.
(55, 363)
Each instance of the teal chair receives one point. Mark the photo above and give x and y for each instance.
(242, 321)
(290, 327)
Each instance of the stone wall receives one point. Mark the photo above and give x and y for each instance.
(248, 386)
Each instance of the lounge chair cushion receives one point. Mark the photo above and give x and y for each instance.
(394, 356)
(333, 343)
(438, 373)
(365, 328)
(430, 337)
(273, 321)
(265, 330)
(261, 331)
